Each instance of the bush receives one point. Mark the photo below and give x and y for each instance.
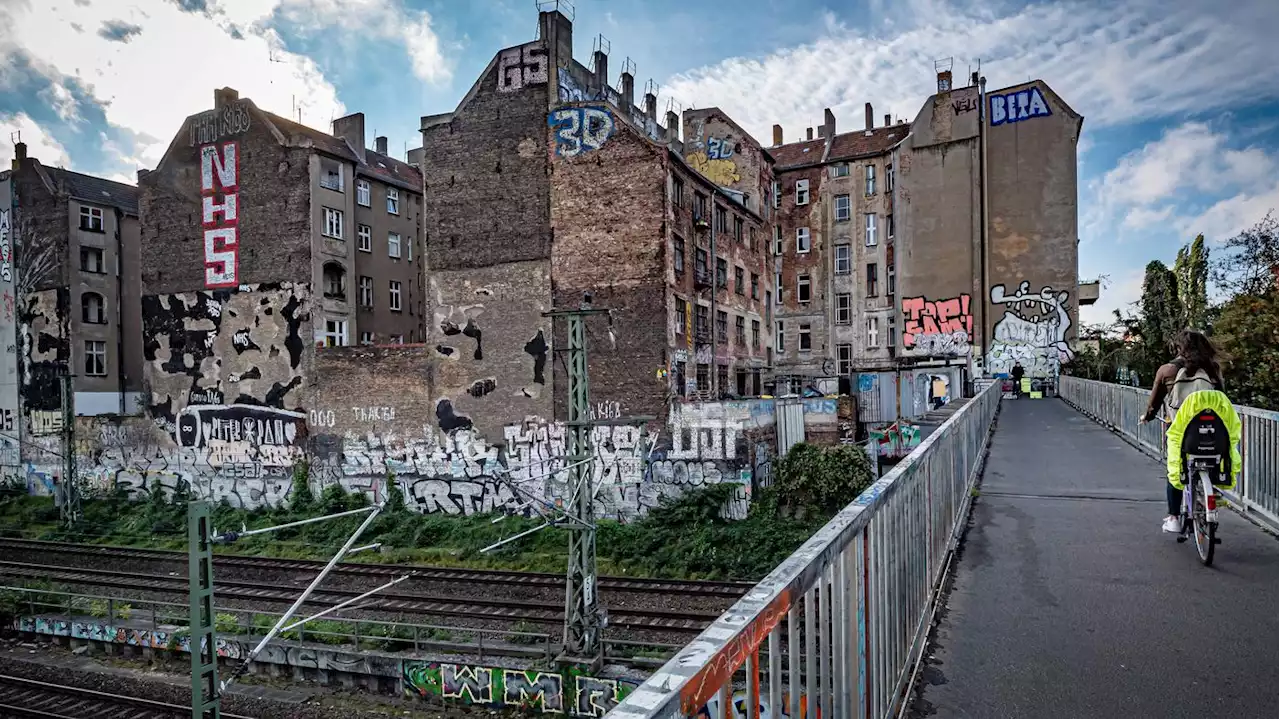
(820, 479)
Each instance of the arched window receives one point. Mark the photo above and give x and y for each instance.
(335, 281)
(93, 309)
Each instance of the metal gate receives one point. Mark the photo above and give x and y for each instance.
(789, 419)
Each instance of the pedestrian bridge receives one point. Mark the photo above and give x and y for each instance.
(1035, 525)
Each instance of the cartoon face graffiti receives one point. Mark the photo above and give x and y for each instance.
(1032, 331)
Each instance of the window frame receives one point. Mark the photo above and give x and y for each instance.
(804, 283)
(780, 335)
(740, 330)
(394, 291)
(92, 212)
(804, 241)
(804, 336)
(755, 334)
(847, 259)
(332, 217)
(682, 315)
(677, 254)
(364, 193)
(802, 193)
(869, 229)
(843, 214)
(85, 298)
(844, 308)
(365, 283)
(331, 273)
(97, 252)
(722, 326)
(335, 333)
(396, 245)
(755, 286)
(777, 241)
(869, 180)
(873, 332)
(95, 349)
(737, 228)
(393, 201)
(776, 200)
(844, 359)
(722, 273)
(326, 165)
(366, 337)
(873, 280)
(364, 238)
(739, 280)
(677, 191)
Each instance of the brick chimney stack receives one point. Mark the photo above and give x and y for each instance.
(777, 135)
(871, 117)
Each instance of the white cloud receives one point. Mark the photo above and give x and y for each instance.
(1120, 293)
(40, 144)
(63, 102)
(1114, 63)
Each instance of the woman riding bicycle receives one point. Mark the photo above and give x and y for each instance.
(1195, 369)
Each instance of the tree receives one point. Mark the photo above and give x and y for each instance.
(1247, 263)
(1161, 314)
(1246, 332)
(1192, 271)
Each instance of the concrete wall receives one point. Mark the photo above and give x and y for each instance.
(10, 382)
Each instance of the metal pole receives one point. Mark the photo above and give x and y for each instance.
(345, 604)
(70, 491)
(582, 610)
(200, 622)
(233, 536)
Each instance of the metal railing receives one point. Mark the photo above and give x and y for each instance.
(846, 617)
(1119, 408)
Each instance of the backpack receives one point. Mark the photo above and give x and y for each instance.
(1184, 385)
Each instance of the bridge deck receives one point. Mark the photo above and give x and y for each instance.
(1068, 601)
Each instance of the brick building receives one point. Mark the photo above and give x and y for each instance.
(546, 183)
(833, 247)
(76, 291)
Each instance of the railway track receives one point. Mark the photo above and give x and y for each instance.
(665, 587)
(405, 604)
(29, 699)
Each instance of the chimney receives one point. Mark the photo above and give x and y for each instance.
(944, 81)
(822, 131)
(380, 144)
(871, 117)
(651, 106)
(673, 126)
(808, 133)
(351, 129)
(142, 173)
(777, 135)
(601, 63)
(829, 122)
(973, 79)
(20, 152)
(224, 97)
(887, 119)
(556, 31)
(628, 90)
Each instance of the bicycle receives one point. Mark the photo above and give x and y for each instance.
(1200, 504)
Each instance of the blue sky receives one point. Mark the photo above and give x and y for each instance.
(1179, 98)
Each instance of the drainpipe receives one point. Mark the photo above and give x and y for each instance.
(984, 214)
(119, 322)
(714, 369)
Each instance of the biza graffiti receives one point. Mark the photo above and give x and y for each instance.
(1032, 331)
(569, 693)
(937, 329)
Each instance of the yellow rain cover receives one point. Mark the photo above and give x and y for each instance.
(1191, 406)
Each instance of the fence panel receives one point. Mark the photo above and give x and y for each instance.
(854, 602)
(1119, 408)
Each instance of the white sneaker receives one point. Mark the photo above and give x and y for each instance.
(1172, 525)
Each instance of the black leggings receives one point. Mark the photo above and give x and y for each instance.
(1173, 496)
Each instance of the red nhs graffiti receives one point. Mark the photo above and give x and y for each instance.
(220, 175)
(944, 317)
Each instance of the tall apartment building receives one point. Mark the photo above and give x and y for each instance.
(547, 183)
(263, 239)
(834, 254)
(72, 294)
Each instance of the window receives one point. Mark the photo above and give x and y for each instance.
(777, 240)
(802, 192)
(742, 382)
(677, 191)
(366, 338)
(366, 292)
(755, 334)
(873, 332)
(780, 337)
(768, 299)
(395, 296)
(802, 240)
(888, 178)
(871, 229)
(682, 315)
(893, 332)
(722, 326)
(803, 293)
(751, 238)
(872, 274)
(92, 309)
(677, 255)
(777, 282)
(722, 378)
(330, 174)
(393, 201)
(888, 221)
(777, 194)
(722, 273)
(700, 263)
(362, 195)
(393, 245)
(700, 206)
(739, 281)
(755, 286)
(95, 358)
(844, 308)
(755, 381)
(701, 321)
(704, 377)
(397, 339)
(679, 372)
(737, 229)
(840, 169)
(408, 250)
(844, 360)
(890, 281)
(806, 337)
(871, 180)
(333, 223)
(335, 333)
(844, 260)
(91, 260)
(91, 218)
(722, 220)
(844, 208)
(335, 281)
(740, 330)
(364, 238)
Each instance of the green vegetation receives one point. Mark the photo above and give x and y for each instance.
(684, 538)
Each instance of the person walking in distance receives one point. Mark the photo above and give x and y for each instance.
(1017, 374)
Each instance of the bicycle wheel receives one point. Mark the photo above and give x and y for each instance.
(1201, 527)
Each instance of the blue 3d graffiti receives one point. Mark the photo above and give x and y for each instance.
(580, 129)
(1018, 106)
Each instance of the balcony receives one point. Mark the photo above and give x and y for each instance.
(1089, 292)
(700, 222)
(702, 333)
(701, 277)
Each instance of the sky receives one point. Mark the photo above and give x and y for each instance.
(1179, 96)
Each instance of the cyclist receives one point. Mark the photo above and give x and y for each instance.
(1195, 369)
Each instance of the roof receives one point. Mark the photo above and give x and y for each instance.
(844, 146)
(96, 189)
(376, 165)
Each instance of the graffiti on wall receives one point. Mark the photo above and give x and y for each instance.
(1032, 331)
(569, 693)
(580, 129)
(1018, 106)
(213, 125)
(738, 707)
(10, 454)
(220, 175)
(520, 67)
(895, 440)
(941, 329)
(713, 157)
